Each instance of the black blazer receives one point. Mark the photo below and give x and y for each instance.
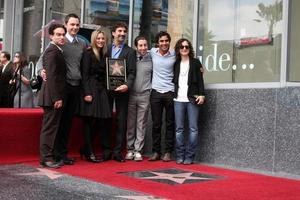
(54, 88)
(195, 78)
(93, 71)
(5, 77)
(129, 54)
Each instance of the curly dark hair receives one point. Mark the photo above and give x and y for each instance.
(161, 34)
(55, 26)
(119, 25)
(178, 45)
(138, 38)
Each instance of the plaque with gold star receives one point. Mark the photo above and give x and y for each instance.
(115, 73)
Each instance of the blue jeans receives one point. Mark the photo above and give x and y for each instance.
(186, 152)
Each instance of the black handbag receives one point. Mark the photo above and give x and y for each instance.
(36, 82)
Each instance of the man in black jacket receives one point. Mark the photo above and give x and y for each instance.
(6, 74)
(119, 96)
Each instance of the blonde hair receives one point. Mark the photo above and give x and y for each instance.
(94, 46)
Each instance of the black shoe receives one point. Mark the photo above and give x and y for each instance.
(67, 161)
(106, 157)
(50, 164)
(119, 158)
(90, 158)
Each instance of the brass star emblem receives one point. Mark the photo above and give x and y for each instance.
(117, 69)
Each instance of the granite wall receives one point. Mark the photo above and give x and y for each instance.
(250, 128)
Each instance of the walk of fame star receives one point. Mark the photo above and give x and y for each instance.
(43, 172)
(117, 69)
(177, 178)
(172, 176)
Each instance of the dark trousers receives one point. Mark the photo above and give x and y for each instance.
(6, 101)
(91, 127)
(50, 124)
(70, 104)
(121, 103)
(159, 102)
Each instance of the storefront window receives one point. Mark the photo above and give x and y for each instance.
(33, 32)
(1, 23)
(173, 16)
(61, 8)
(106, 13)
(294, 42)
(239, 41)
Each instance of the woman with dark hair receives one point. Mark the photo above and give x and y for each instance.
(189, 94)
(24, 96)
(94, 104)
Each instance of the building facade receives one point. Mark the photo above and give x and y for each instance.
(249, 48)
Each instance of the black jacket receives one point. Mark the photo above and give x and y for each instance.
(129, 54)
(195, 78)
(54, 88)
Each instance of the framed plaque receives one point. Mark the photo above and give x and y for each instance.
(115, 72)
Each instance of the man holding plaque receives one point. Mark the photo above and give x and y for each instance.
(121, 70)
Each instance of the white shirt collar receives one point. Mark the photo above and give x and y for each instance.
(4, 66)
(57, 46)
(71, 38)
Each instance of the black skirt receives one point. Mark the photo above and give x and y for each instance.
(99, 107)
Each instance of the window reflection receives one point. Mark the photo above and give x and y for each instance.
(294, 43)
(240, 41)
(106, 13)
(175, 17)
(1, 23)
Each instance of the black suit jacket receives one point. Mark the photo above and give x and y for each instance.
(129, 55)
(53, 89)
(5, 77)
(195, 78)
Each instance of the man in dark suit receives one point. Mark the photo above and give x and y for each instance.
(6, 74)
(72, 51)
(119, 96)
(52, 93)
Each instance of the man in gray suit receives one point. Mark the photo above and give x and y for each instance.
(139, 101)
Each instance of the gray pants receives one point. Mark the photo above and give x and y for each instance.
(138, 108)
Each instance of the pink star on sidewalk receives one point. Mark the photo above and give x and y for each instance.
(43, 172)
(178, 178)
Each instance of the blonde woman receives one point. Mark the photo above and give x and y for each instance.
(94, 105)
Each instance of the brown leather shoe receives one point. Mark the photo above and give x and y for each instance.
(154, 157)
(166, 157)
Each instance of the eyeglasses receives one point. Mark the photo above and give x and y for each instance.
(184, 46)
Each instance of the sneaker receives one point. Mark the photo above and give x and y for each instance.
(179, 161)
(154, 157)
(166, 157)
(188, 162)
(129, 155)
(138, 156)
